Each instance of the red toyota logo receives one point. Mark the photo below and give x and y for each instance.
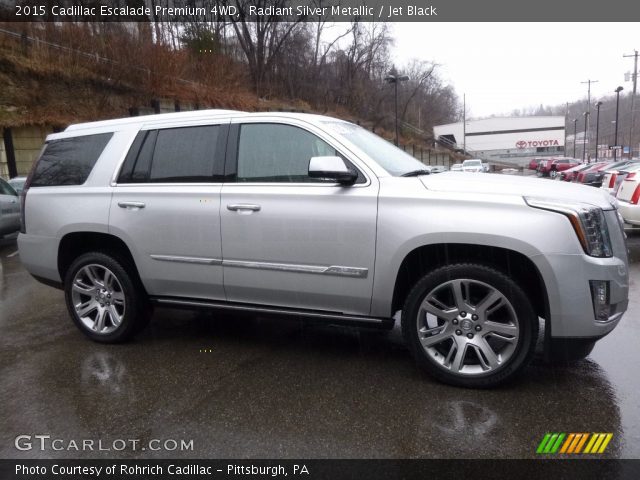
(521, 144)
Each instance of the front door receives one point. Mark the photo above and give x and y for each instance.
(290, 240)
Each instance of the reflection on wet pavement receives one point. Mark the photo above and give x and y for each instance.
(266, 388)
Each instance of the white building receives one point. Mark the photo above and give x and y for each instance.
(508, 140)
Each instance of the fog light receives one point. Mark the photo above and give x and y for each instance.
(600, 297)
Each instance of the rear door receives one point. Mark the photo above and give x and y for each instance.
(290, 240)
(166, 206)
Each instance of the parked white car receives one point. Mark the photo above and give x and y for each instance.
(473, 165)
(613, 177)
(629, 197)
(456, 167)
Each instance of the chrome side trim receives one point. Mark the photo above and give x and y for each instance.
(198, 260)
(336, 270)
(334, 317)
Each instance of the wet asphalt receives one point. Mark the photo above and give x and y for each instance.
(248, 387)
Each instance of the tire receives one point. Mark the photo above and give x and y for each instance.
(485, 345)
(105, 298)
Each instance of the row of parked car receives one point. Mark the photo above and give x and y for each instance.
(621, 179)
(474, 165)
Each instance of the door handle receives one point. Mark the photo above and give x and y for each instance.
(234, 207)
(131, 205)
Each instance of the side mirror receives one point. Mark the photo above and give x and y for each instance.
(332, 168)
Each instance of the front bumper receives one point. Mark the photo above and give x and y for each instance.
(571, 308)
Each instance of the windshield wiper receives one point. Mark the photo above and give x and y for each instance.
(415, 173)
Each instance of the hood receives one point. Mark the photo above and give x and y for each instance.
(496, 184)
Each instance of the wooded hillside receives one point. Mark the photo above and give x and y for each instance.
(69, 72)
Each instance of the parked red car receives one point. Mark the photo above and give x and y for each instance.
(593, 176)
(533, 164)
(551, 167)
(572, 173)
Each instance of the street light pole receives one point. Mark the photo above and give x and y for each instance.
(615, 139)
(597, 126)
(633, 97)
(575, 133)
(395, 79)
(588, 82)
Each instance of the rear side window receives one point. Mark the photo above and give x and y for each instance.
(68, 161)
(178, 155)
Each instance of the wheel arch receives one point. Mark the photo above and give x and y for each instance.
(514, 264)
(74, 244)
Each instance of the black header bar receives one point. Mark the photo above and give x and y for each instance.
(322, 10)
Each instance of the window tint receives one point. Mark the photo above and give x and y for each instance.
(6, 189)
(69, 161)
(278, 153)
(183, 154)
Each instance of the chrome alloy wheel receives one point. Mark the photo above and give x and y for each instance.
(98, 298)
(467, 327)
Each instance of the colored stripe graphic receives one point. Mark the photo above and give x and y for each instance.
(574, 443)
(605, 443)
(543, 443)
(567, 443)
(582, 442)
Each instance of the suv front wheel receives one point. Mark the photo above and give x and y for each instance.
(104, 299)
(470, 325)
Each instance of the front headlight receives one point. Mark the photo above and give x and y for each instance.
(587, 220)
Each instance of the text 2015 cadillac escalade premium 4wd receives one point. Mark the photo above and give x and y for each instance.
(312, 216)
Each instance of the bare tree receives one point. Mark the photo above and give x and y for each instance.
(261, 37)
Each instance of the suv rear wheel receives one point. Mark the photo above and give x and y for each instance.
(104, 299)
(470, 325)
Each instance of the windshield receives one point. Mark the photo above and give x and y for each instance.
(384, 153)
(472, 163)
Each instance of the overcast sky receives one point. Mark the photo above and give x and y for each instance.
(507, 66)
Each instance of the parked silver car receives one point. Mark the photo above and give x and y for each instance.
(9, 209)
(305, 215)
(17, 183)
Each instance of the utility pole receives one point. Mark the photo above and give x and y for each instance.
(464, 123)
(586, 123)
(566, 120)
(575, 133)
(633, 97)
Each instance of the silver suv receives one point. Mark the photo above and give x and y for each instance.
(304, 215)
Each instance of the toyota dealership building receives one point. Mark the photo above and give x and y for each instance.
(506, 140)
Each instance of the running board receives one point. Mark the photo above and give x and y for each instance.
(328, 317)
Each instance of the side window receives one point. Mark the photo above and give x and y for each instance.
(278, 153)
(69, 161)
(180, 155)
(6, 189)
